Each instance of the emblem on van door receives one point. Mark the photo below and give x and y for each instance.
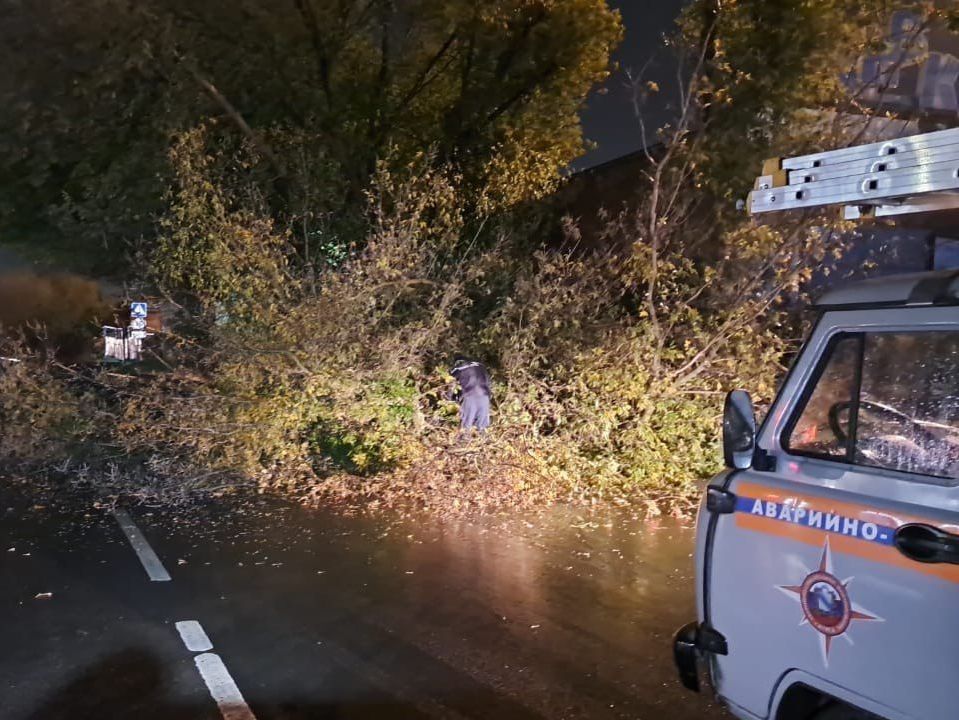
(826, 604)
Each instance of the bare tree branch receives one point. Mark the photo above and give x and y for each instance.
(237, 118)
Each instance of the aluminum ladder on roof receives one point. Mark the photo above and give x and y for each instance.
(880, 179)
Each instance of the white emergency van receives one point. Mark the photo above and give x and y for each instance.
(827, 557)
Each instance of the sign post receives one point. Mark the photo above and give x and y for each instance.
(126, 343)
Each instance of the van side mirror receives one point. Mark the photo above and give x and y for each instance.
(739, 430)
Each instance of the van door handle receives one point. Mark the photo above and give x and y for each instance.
(927, 544)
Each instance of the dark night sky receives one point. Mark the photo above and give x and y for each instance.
(608, 119)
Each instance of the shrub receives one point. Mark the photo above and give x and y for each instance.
(43, 415)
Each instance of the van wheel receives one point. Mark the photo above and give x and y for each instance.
(838, 711)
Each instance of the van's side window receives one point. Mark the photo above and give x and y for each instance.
(909, 403)
(887, 400)
(822, 428)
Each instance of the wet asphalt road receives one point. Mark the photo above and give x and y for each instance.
(316, 615)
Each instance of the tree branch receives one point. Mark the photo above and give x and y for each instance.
(261, 145)
(424, 79)
(236, 117)
(522, 93)
(306, 11)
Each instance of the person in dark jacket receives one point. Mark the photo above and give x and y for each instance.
(474, 394)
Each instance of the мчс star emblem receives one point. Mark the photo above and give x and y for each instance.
(826, 604)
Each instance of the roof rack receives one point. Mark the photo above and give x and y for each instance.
(907, 175)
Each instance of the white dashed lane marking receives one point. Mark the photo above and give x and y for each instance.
(194, 636)
(222, 688)
(214, 673)
(151, 563)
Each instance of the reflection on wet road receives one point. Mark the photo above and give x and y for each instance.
(304, 614)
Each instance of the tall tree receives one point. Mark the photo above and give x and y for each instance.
(318, 90)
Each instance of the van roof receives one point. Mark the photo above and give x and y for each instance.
(928, 288)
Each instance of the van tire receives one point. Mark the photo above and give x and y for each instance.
(840, 711)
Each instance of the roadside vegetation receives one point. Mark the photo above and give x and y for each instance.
(334, 197)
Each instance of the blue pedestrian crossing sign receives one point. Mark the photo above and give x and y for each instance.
(138, 309)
